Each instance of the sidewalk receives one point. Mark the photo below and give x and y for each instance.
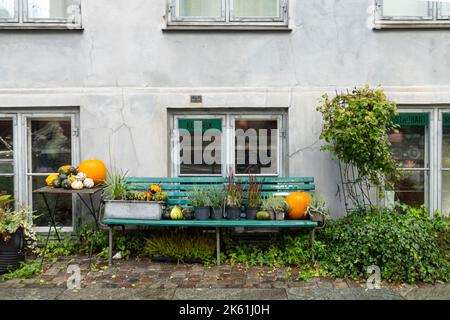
(145, 279)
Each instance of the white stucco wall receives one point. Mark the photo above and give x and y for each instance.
(124, 72)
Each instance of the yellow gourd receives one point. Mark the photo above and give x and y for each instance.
(50, 179)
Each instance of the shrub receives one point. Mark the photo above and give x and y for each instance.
(288, 251)
(25, 271)
(181, 245)
(404, 245)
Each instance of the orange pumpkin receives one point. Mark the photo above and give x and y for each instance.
(298, 203)
(94, 169)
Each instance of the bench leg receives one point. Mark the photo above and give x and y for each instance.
(218, 246)
(110, 245)
(312, 244)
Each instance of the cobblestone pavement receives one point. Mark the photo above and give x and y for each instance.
(153, 280)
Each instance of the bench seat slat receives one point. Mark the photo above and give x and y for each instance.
(216, 223)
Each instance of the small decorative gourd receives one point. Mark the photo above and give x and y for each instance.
(77, 185)
(81, 176)
(88, 183)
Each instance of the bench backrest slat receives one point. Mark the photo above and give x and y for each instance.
(178, 188)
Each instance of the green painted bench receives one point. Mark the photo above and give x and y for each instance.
(177, 189)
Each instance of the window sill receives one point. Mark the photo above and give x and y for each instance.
(379, 25)
(39, 26)
(170, 28)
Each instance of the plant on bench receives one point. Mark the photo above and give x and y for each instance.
(253, 197)
(234, 198)
(200, 201)
(217, 197)
(121, 203)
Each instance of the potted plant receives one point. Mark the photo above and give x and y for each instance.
(200, 201)
(318, 210)
(15, 228)
(123, 204)
(276, 205)
(234, 198)
(217, 196)
(253, 197)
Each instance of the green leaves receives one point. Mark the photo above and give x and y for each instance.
(355, 129)
(405, 245)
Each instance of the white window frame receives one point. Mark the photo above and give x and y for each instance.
(228, 20)
(432, 20)
(23, 21)
(379, 6)
(16, 14)
(173, 9)
(228, 139)
(282, 9)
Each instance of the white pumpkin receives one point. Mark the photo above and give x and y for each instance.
(88, 183)
(77, 185)
(81, 176)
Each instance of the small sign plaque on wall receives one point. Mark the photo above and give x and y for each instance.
(196, 99)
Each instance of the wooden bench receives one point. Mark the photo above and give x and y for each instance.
(177, 189)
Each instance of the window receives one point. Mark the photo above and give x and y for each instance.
(212, 144)
(422, 146)
(49, 147)
(410, 148)
(7, 156)
(228, 13)
(445, 163)
(401, 13)
(32, 146)
(40, 14)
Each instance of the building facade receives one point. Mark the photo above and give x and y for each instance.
(113, 80)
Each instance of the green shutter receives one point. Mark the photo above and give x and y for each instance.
(188, 124)
(412, 119)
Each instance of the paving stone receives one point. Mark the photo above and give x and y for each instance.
(434, 293)
(229, 294)
(117, 294)
(30, 294)
(342, 294)
(340, 284)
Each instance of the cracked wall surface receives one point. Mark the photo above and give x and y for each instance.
(124, 74)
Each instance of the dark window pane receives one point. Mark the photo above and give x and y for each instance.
(256, 146)
(63, 215)
(51, 145)
(6, 140)
(410, 189)
(7, 186)
(200, 146)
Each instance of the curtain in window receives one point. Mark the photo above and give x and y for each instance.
(256, 8)
(199, 8)
(405, 8)
(50, 9)
(7, 9)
